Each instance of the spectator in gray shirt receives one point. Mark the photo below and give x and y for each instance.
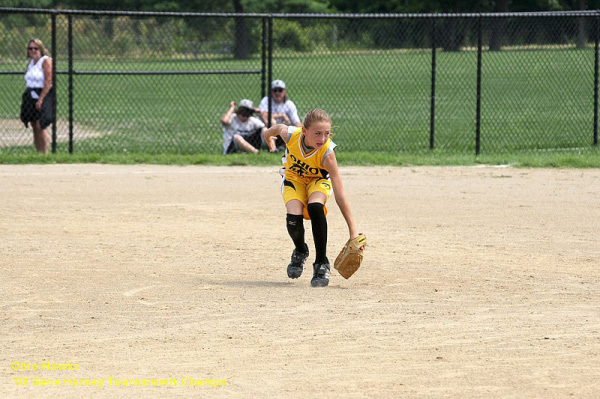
(241, 130)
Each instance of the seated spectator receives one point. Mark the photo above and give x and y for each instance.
(242, 132)
(283, 110)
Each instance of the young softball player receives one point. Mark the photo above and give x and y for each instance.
(309, 171)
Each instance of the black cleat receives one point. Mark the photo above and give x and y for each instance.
(294, 269)
(321, 274)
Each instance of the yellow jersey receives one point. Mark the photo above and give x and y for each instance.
(302, 162)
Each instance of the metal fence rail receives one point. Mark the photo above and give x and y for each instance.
(146, 82)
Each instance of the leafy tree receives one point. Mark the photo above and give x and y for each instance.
(287, 6)
(17, 20)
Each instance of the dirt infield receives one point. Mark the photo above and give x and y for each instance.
(164, 281)
(14, 133)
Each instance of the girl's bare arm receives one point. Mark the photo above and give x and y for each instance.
(341, 199)
(271, 134)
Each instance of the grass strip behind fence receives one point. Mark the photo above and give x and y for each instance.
(532, 100)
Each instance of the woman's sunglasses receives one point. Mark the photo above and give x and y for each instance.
(278, 90)
(33, 48)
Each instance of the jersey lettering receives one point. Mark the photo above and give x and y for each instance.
(302, 168)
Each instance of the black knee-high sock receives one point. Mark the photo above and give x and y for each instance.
(295, 228)
(316, 211)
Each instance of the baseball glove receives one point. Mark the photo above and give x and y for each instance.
(351, 256)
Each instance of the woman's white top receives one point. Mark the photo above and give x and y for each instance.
(34, 77)
(288, 108)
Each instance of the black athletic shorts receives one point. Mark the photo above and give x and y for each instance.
(30, 114)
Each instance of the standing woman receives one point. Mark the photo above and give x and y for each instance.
(38, 99)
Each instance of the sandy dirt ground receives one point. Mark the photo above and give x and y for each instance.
(166, 281)
(13, 133)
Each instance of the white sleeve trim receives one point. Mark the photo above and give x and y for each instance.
(291, 130)
(332, 146)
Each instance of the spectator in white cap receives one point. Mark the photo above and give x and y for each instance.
(283, 110)
(242, 132)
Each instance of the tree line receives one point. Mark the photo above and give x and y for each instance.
(301, 36)
(315, 6)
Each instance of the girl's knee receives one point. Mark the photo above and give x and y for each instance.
(315, 210)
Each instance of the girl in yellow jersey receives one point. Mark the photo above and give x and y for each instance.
(310, 171)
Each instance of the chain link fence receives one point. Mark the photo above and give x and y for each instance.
(129, 82)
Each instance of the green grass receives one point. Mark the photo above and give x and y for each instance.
(588, 159)
(535, 103)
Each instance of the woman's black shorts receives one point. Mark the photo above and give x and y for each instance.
(30, 114)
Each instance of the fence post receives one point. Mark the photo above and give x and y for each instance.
(597, 23)
(478, 117)
(270, 71)
(433, 72)
(263, 69)
(70, 46)
(54, 86)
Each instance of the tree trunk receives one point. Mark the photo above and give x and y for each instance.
(581, 40)
(242, 35)
(452, 38)
(498, 26)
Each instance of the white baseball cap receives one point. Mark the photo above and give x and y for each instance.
(278, 84)
(247, 104)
